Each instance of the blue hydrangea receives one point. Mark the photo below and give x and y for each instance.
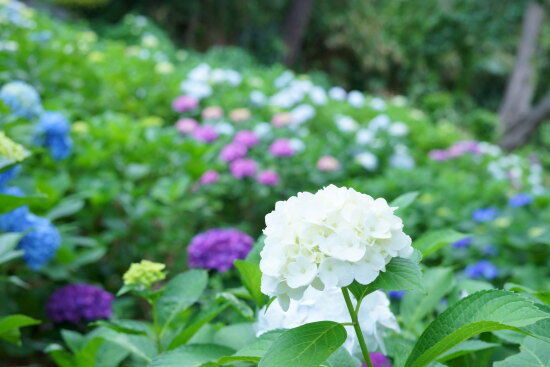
(483, 215)
(7, 175)
(482, 269)
(22, 99)
(18, 219)
(520, 200)
(396, 294)
(462, 243)
(40, 244)
(53, 133)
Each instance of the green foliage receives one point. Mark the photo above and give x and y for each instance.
(305, 346)
(10, 325)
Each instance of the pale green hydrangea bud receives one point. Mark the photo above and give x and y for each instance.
(11, 150)
(144, 273)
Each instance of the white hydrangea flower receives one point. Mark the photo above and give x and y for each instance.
(380, 122)
(283, 79)
(367, 160)
(398, 129)
(297, 145)
(327, 239)
(263, 130)
(318, 96)
(375, 316)
(364, 136)
(302, 113)
(224, 128)
(356, 99)
(346, 123)
(378, 104)
(196, 88)
(258, 98)
(337, 93)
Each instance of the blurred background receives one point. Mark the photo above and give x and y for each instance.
(453, 58)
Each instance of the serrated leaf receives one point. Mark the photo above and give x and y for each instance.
(10, 325)
(179, 293)
(400, 274)
(193, 355)
(256, 350)
(480, 312)
(533, 353)
(434, 240)
(305, 346)
(251, 276)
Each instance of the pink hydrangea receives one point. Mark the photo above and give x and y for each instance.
(186, 125)
(212, 113)
(328, 163)
(281, 148)
(281, 119)
(247, 138)
(233, 151)
(209, 177)
(244, 167)
(185, 103)
(268, 178)
(240, 114)
(205, 133)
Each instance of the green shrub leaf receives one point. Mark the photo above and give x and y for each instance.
(305, 346)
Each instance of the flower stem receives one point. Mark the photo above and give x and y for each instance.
(357, 327)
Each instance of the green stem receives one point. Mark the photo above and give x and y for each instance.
(357, 327)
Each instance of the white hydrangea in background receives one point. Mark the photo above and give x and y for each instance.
(375, 316)
(367, 160)
(328, 239)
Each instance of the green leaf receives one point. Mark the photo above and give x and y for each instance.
(255, 351)
(400, 274)
(140, 346)
(465, 347)
(340, 358)
(405, 200)
(305, 346)
(480, 312)
(66, 208)
(254, 255)
(251, 276)
(434, 240)
(10, 325)
(237, 305)
(542, 295)
(179, 293)
(8, 243)
(9, 202)
(416, 305)
(192, 355)
(198, 322)
(73, 339)
(533, 353)
(235, 336)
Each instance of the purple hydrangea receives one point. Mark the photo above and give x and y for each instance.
(520, 200)
(378, 360)
(247, 138)
(233, 151)
(244, 167)
(209, 177)
(78, 303)
(52, 132)
(439, 155)
(482, 269)
(218, 249)
(483, 215)
(281, 148)
(185, 103)
(462, 243)
(397, 294)
(268, 178)
(205, 133)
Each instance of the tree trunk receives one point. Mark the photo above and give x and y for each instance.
(294, 28)
(516, 112)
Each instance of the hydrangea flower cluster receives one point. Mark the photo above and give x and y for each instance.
(218, 249)
(144, 273)
(10, 150)
(482, 269)
(375, 316)
(327, 239)
(53, 133)
(41, 239)
(456, 150)
(79, 303)
(22, 99)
